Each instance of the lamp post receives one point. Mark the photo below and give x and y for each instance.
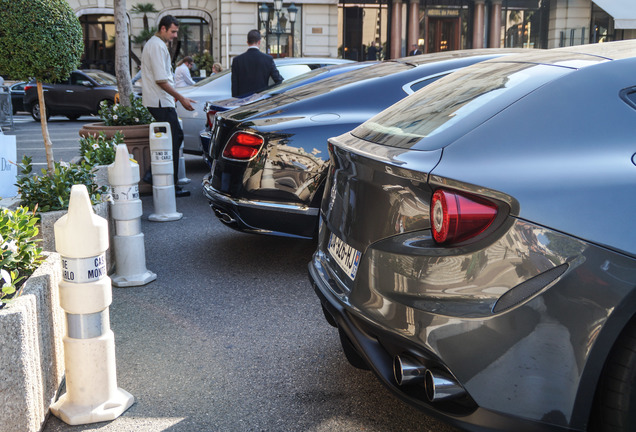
(281, 21)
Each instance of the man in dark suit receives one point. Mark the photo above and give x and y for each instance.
(252, 69)
(415, 50)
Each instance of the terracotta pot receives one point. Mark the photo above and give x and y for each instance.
(137, 139)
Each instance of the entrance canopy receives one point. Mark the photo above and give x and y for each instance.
(623, 12)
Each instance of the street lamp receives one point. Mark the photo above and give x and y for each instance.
(281, 21)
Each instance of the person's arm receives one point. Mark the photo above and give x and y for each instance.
(187, 78)
(186, 102)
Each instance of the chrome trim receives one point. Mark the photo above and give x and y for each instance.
(214, 195)
(407, 87)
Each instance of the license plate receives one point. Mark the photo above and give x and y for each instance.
(347, 257)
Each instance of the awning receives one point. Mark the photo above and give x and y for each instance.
(623, 12)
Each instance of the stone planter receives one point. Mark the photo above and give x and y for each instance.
(137, 139)
(31, 349)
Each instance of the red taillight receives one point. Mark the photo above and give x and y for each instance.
(243, 146)
(211, 118)
(456, 218)
(27, 87)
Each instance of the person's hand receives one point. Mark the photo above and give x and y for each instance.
(187, 103)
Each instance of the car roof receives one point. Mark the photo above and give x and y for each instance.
(303, 60)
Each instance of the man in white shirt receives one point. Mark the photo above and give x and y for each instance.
(158, 89)
(182, 77)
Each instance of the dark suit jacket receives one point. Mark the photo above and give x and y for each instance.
(251, 72)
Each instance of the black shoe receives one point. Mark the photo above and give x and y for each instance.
(180, 192)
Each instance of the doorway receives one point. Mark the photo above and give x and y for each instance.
(443, 34)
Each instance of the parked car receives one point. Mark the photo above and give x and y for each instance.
(270, 157)
(17, 96)
(219, 86)
(78, 95)
(477, 248)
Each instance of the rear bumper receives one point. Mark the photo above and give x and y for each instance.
(262, 217)
(378, 346)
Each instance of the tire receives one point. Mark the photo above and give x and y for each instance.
(615, 403)
(72, 117)
(35, 112)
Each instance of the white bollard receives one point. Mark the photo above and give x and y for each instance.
(182, 179)
(92, 395)
(163, 187)
(126, 211)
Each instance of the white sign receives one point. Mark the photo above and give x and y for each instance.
(8, 169)
(83, 270)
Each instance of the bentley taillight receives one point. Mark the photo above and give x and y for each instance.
(211, 116)
(243, 146)
(458, 217)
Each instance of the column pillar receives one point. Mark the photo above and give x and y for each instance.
(494, 41)
(478, 24)
(414, 23)
(396, 30)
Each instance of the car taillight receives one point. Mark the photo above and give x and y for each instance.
(211, 118)
(455, 217)
(27, 87)
(242, 146)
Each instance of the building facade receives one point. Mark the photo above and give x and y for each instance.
(332, 28)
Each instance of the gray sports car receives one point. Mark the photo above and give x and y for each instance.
(477, 247)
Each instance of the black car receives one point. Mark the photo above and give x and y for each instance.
(17, 96)
(269, 157)
(78, 95)
(477, 248)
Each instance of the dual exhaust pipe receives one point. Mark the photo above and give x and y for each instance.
(438, 385)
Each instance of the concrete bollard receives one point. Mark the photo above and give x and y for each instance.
(92, 395)
(182, 179)
(126, 211)
(163, 187)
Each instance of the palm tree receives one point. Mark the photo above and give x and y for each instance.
(144, 8)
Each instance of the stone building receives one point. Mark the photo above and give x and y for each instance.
(344, 28)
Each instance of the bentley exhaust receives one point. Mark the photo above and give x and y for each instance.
(441, 386)
(225, 218)
(408, 371)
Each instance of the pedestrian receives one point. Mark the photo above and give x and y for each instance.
(416, 50)
(373, 51)
(158, 89)
(136, 78)
(182, 77)
(216, 68)
(252, 70)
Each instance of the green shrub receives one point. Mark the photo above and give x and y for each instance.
(52, 191)
(120, 115)
(19, 253)
(98, 150)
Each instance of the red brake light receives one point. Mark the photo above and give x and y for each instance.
(27, 87)
(243, 146)
(210, 115)
(455, 217)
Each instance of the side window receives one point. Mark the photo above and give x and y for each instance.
(629, 96)
(423, 83)
(290, 71)
(77, 79)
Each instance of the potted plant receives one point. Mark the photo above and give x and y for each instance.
(133, 123)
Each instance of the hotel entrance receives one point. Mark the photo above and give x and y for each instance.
(443, 30)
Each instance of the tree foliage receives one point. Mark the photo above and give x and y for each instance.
(39, 39)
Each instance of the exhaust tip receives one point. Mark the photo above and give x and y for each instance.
(407, 370)
(441, 386)
(225, 218)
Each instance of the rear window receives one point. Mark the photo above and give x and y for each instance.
(447, 109)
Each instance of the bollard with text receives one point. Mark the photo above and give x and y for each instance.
(163, 187)
(92, 395)
(126, 211)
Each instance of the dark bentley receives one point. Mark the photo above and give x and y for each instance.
(269, 157)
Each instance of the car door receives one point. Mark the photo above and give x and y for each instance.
(75, 94)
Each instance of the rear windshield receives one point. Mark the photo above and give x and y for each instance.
(442, 112)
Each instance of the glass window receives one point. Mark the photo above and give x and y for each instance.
(194, 36)
(472, 94)
(99, 42)
(524, 27)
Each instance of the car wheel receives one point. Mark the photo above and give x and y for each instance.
(35, 112)
(350, 352)
(616, 394)
(72, 116)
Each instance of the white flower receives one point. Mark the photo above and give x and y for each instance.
(115, 117)
(6, 276)
(136, 120)
(95, 146)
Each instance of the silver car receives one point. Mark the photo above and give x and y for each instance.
(477, 248)
(219, 86)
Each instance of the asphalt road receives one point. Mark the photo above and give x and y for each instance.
(230, 337)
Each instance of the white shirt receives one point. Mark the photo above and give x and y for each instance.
(182, 76)
(156, 66)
